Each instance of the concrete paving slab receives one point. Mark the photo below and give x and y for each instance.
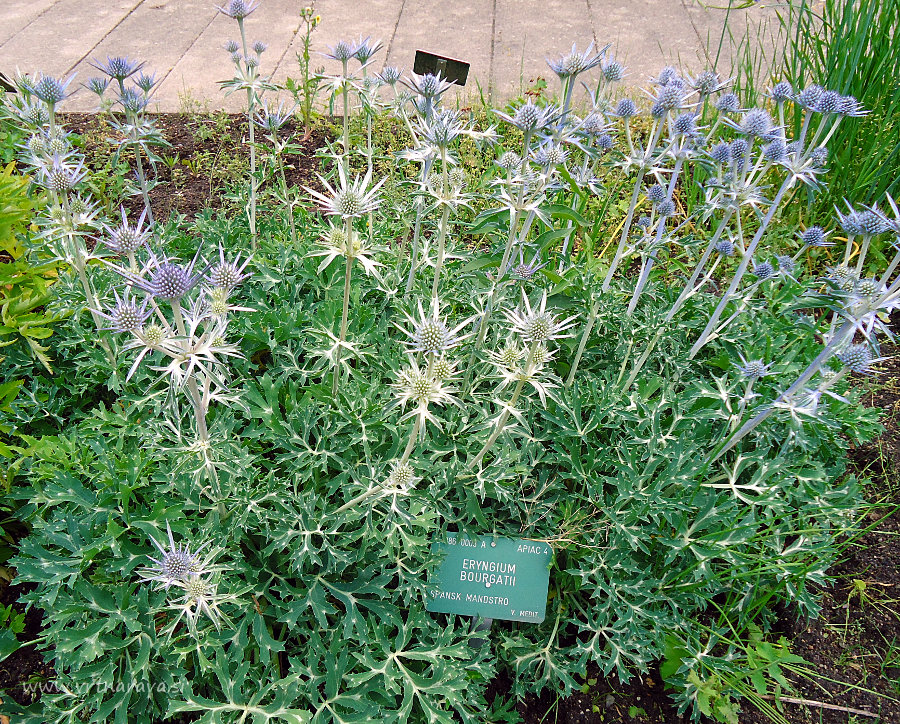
(530, 31)
(65, 34)
(18, 14)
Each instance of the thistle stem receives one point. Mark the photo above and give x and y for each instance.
(347, 268)
(250, 108)
(411, 443)
(504, 416)
(290, 206)
(442, 235)
(588, 328)
(742, 268)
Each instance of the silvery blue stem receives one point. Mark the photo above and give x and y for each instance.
(442, 234)
(250, 106)
(582, 344)
(863, 250)
(689, 287)
(346, 97)
(143, 181)
(345, 310)
(846, 330)
(411, 443)
(651, 258)
(742, 268)
(504, 416)
(890, 270)
(417, 231)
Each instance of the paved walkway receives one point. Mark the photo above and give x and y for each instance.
(506, 41)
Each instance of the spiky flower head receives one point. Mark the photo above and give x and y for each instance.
(226, 274)
(574, 63)
(829, 102)
(656, 193)
(510, 355)
(706, 83)
(782, 91)
(176, 564)
(753, 369)
(58, 146)
(36, 114)
(685, 124)
(871, 223)
(849, 106)
(763, 270)
(728, 103)
(842, 277)
(625, 108)
(126, 315)
(238, 9)
(868, 288)
(756, 123)
(725, 247)
(856, 358)
(133, 101)
(170, 282)
(443, 369)
(97, 85)
(809, 96)
(819, 156)
(776, 151)
(644, 222)
(231, 47)
(366, 48)
(530, 117)
(117, 68)
(154, 335)
(605, 141)
(668, 98)
(786, 264)
(550, 155)
(667, 75)
(430, 334)
(126, 238)
(51, 90)
(428, 86)
(259, 47)
(613, 71)
(272, 119)
(61, 175)
(720, 153)
(509, 161)
(738, 149)
(815, 236)
(341, 51)
(421, 389)
(145, 82)
(850, 222)
(348, 200)
(538, 325)
(665, 208)
(402, 475)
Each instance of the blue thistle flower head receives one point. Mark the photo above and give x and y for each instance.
(786, 264)
(52, 90)
(815, 236)
(725, 247)
(666, 76)
(145, 82)
(856, 358)
(231, 47)
(97, 85)
(819, 156)
(849, 106)
(685, 124)
(721, 153)
(738, 149)
(574, 63)
(227, 274)
(126, 314)
(728, 103)
(133, 101)
(782, 92)
(127, 238)
(656, 193)
(665, 208)
(259, 47)
(342, 51)
(669, 97)
(776, 151)
(117, 68)
(238, 9)
(706, 83)
(753, 369)
(176, 564)
(625, 108)
(509, 161)
(390, 75)
(809, 96)
(605, 142)
(829, 102)
(613, 71)
(644, 222)
(763, 270)
(850, 222)
(756, 122)
(366, 48)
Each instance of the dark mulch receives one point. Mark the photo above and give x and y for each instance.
(206, 153)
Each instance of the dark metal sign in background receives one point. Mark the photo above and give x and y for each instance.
(455, 71)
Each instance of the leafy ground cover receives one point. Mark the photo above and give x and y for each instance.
(593, 329)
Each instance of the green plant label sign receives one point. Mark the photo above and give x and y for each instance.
(490, 577)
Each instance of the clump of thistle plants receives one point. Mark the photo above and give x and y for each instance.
(232, 509)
